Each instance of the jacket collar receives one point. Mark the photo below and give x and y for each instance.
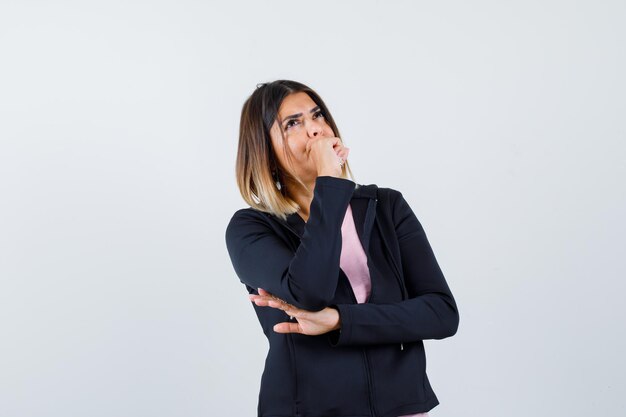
(365, 191)
(363, 204)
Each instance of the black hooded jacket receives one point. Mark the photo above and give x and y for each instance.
(375, 364)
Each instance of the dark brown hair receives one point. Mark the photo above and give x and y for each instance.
(261, 180)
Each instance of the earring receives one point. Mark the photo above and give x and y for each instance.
(277, 180)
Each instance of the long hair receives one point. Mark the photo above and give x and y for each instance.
(261, 180)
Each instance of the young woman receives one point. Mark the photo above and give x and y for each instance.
(341, 275)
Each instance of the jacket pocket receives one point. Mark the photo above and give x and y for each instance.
(398, 375)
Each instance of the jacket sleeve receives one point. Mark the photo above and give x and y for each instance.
(430, 312)
(308, 279)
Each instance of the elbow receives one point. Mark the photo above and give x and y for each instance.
(448, 329)
(453, 325)
(449, 322)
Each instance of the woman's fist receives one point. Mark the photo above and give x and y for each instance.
(328, 155)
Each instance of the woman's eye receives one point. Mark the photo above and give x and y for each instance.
(290, 123)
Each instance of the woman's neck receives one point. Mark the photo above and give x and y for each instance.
(302, 197)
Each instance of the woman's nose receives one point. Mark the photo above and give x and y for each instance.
(314, 130)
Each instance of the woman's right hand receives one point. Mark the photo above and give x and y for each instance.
(311, 323)
(327, 153)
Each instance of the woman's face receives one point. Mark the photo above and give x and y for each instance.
(302, 121)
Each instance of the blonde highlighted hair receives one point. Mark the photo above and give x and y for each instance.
(261, 180)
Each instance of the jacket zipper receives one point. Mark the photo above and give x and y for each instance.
(365, 360)
(405, 294)
(369, 383)
(295, 377)
(370, 215)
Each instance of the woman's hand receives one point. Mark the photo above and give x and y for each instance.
(328, 154)
(311, 323)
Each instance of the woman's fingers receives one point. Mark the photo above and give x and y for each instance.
(287, 327)
(265, 299)
(343, 152)
(308, 322)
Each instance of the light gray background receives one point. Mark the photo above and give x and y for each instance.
(501, 122)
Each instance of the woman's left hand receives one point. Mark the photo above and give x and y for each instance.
(311, 323)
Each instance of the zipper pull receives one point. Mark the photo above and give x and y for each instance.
(401, 346)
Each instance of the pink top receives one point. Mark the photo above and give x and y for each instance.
(353, 262)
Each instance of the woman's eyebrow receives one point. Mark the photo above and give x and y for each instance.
(295, 116)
